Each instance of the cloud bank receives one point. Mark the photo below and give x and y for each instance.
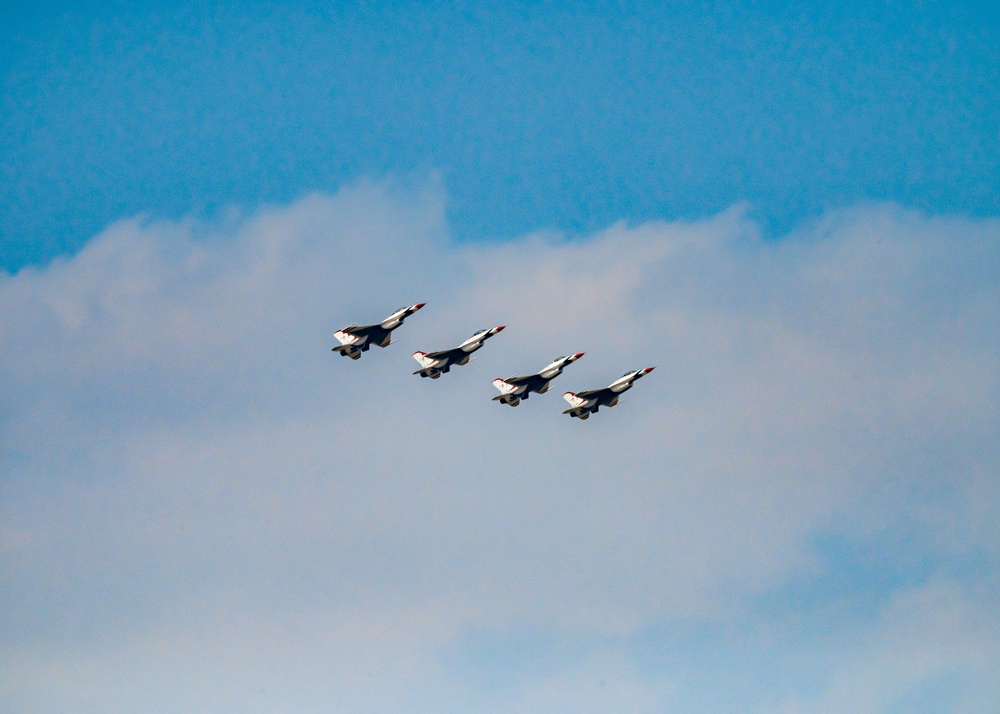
(206, 510)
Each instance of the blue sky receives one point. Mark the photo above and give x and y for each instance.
(792, 214)
(541, 115)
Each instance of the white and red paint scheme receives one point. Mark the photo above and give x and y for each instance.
(354, 339)
(583, 404)
(434, 364)
(514, 389)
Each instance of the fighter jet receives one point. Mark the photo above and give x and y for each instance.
(514, 389)
(434, 364)
(583, 404)
(354, 340)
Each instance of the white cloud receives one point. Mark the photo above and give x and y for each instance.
(188, 470)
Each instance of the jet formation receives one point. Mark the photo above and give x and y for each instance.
(354, 340)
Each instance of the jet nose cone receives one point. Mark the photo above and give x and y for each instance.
(500, 328)
(578, 355)
(419, 305)
(648, 370)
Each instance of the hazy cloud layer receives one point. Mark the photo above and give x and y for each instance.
(204, 509)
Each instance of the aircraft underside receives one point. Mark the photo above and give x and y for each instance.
(352, 351)
(511, 399)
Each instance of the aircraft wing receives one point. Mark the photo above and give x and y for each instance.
(595, 393)
(384, 342)
(445, 353)
(518, 381)
(360, 330)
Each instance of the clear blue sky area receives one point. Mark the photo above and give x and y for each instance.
(540, 115)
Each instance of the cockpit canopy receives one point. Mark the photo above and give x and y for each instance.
(557, 359)
(478, 332)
